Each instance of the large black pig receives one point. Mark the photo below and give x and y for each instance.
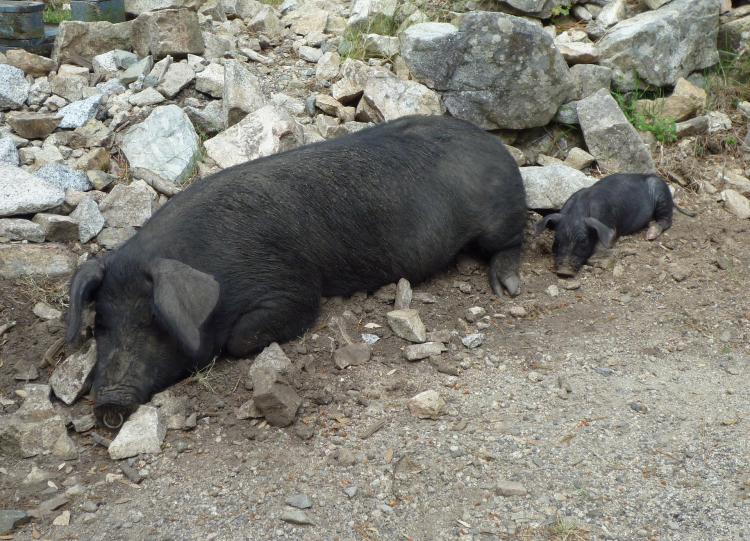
(242, 258)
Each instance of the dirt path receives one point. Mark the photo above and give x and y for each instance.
(619, 408)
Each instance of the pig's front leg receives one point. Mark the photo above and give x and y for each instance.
(277, 317)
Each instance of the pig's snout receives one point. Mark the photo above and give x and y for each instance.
(112, 409)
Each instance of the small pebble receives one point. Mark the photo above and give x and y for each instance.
(300, 501)
(350, 491)
(472, 341)
(638, 407)
(295, 516)
(518, 311)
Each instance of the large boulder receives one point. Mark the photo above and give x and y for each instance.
(660, 46)
(610, 138)
(496, 70)
(23, 193)
(266, 131)
(164, 144)
(79, 42)
(174, 32)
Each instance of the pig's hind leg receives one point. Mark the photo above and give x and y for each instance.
(275, 318)
(663, 208)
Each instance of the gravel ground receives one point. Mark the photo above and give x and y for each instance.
(613, 406)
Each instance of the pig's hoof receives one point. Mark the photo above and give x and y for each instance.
(565, 272)
(511, 284)
(654, 230)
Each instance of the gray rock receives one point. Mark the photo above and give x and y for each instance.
(11, 519)
(178, 76)
(578, 158)
(403, 295)
(136, 7)
(128, 206)
(89, 218)
(113, 87)
(588, 78)
(44, 311)
(541, 9)
(112, 237)
(426, 405)
(496, 70)
(140, 69)
(352, 355)
(109, 64)
(173, 32)
(266, 22)
(271, 358)
(248, 410)
(611, 14)
(300, 501)
(84, 423)
(475, 313)
(57, 228)
(407, 324)
(78, 41)
(34, 428)
(266, 131)
(78, 113)
(718, 122)
(328, 66)
(63, 177)
(658, 47)
(275, 397)
(14, 89)
(22, 193)
(296, 516)
(370, 13)
(100, 179)
(736, 203)
(18, 229)
(8, 152)
(71, 377)
(550, 187)
(390, 98)
(211, 80)
(694, 126)
(143, 432)
(379, 46)
(610, 138)
(70, 86)
(146, 97)
(472, 341)
(309, 54)
(242, 93)
(164, 144)
(510, 488)
(48, 260)
(210, 119)
(417, 352)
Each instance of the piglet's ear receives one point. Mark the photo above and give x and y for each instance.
(606, 234)
(86, 281)
(184, 298)
(548, 222)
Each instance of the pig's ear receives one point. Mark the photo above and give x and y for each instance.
(86, 281)
(184, 298)
(548, 222)
(606, 234)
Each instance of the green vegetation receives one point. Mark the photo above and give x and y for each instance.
(54, 14)
(664, 129)
(274, 3)
(353, 42)
(560, 11)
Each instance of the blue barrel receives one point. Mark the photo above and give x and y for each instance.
(112, 11)
(21, 20)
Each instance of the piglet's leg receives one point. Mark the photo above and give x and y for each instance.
(275, 318)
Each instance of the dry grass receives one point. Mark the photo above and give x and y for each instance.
(52, 292)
